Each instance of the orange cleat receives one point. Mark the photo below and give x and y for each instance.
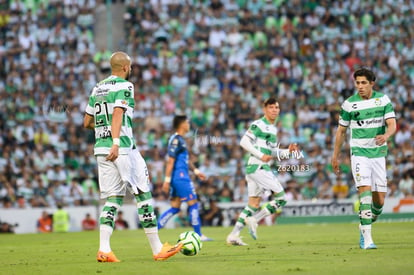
(109, 257)
(168, 251)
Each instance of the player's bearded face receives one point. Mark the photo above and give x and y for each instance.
(128, 72)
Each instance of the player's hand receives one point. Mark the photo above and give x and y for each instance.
(266, 158)
(293, 147)
(165, 187)
(113, 153)
(335, 166)
(380, 139)
(201, 176)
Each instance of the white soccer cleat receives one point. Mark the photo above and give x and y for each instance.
(235, 240)
(204, 238)
(251, 223)
(365, 239)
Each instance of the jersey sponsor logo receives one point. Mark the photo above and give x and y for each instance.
(369, 122)
(102, 92)
(107, 82)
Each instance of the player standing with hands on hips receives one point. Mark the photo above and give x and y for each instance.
(177, 180)
(371, 119)
(120, 165)
(260, 141)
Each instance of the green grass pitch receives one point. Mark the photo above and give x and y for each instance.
(280, 249)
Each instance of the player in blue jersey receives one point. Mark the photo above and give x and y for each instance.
(177, 180)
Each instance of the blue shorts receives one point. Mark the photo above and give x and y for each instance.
(184, 189)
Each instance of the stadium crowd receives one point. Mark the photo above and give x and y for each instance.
(213, 60)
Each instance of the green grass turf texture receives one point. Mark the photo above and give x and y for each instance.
(280, 249)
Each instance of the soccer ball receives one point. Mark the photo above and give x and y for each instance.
(191, 243)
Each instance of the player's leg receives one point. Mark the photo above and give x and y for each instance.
(106, 228)
(379, 187)
(110, 185)
(361, 171)
(194, 213)
(378, 199)
(139, 185)
(251, 208)
(254, 193)
(168, 214)
(267, 181)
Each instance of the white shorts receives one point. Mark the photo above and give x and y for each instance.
(260, 181)
(369, 172)
(127, 171)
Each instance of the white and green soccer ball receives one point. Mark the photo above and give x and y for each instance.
(191, 243)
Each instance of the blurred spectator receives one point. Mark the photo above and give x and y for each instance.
(120, 222)
(406, 184)
(61, 222)
(393, 191)
(88, 223)
(210, 213)
(309, 191)
(215, 66)
(181, 220)
(340, 189)
(325, 190)
(44, 223)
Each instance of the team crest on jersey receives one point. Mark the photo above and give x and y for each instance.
(377, 102)
(124, 102)
(174, 142)
(358, 177)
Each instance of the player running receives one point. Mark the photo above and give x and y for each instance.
(260, 141)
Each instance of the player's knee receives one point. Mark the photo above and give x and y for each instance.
(365, 200)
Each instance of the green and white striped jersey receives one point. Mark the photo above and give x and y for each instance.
(366, 119)
(263, 135)
(108, 94)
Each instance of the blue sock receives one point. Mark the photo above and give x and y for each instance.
(166, 216)
(195, 218)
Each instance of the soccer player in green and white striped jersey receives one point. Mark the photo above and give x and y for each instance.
(120, 165)
(260, 140)
(371, 119)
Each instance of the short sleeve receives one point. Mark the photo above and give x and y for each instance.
(174, 147)
(344, 116)
(125, 96)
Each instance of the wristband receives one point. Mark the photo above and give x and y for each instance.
(167, 179)
(116, 141)
(197, 172)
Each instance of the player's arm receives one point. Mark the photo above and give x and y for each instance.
(88, 121)
(339, 140)
(391, 129)
(246, 143)
(197, 172)
(115, 132)
(169, 166)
